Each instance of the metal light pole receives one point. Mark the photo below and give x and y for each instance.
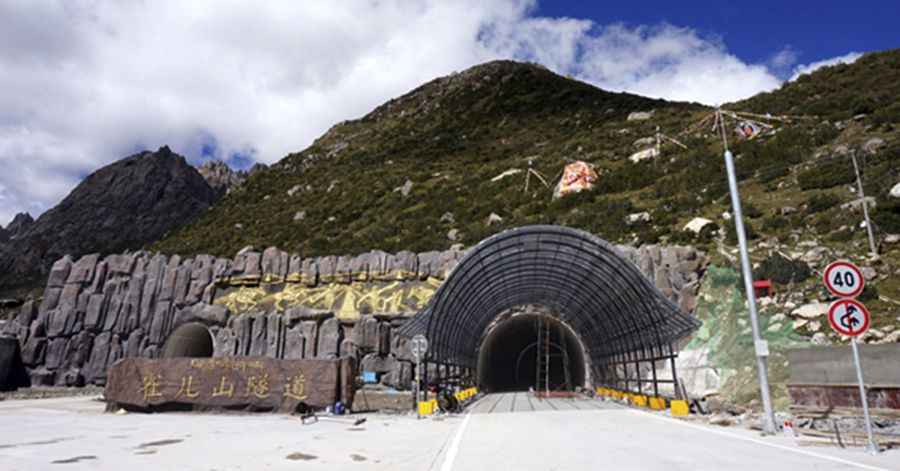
(418, 346)
(862, 199)
(872, 447)
(417, 393)
(761, 347)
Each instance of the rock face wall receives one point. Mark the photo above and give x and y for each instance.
(96, 310)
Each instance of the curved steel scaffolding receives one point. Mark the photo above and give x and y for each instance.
(621, 317)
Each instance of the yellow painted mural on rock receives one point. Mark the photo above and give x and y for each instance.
(347, 301)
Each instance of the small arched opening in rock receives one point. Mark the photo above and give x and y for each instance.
(192, 340)
(508, 357)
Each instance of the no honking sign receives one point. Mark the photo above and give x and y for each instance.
(848, 317)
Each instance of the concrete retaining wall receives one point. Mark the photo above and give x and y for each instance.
(825, 377)
(833, 366)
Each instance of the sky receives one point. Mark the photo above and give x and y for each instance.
(84, 83)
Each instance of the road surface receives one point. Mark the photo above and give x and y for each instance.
(500, 432)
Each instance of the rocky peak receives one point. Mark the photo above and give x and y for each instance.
(220, 176)
(223, 178)
(20, 223)
(122, 206)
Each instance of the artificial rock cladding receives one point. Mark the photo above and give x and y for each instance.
(97, 310)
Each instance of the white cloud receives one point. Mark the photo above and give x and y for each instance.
(782, 62)
(662, 61)
(786, 57)
(86, 83)
(848, 58)
(669, 62)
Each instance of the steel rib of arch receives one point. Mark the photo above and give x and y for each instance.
(588, 282)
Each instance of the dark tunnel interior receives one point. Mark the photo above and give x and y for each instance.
(508, 356)
(191, 340)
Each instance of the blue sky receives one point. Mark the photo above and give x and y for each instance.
(84, 84)
(756, 30)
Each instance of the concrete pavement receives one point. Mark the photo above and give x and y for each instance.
(586, 436)
(75, 434)
(512, 431)
(525, 402)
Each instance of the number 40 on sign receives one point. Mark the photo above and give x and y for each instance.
(844, 279)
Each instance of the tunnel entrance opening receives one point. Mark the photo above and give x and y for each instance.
(509, 356)
(623, 323)
(192, 340)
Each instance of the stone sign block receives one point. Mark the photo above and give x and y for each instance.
(250, 383)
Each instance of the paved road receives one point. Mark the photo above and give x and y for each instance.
(512, 431)
(516, 431)
(524, 402)
(75, 434)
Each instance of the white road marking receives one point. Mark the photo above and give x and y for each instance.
(454, 447)
(760, 442)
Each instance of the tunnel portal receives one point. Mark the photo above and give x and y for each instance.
(617, 318)
(509, 356)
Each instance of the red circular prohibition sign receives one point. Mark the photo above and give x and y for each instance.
(848, 317)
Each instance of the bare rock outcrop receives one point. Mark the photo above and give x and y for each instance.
(20, 223)
(220, 176)
(122, 206)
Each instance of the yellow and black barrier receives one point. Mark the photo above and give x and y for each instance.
(677, 407)
(431, 406)
(428, 407)
(657, 403)
(466, 394)
(680, 408)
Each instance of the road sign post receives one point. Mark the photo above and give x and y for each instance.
(872, 447)
(418, 346)
(851, 318)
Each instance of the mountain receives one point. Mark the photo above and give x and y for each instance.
(223, 178)
(122, 206)
(448, 162)
(18, 225)
(422, 171)
(867, 86)
(220, 176)
(422, 165)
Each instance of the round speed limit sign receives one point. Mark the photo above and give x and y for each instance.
(848, 317)
(844, 279)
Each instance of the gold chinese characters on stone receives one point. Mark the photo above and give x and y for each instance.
(255, 383)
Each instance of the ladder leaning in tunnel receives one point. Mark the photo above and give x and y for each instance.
(544, 344)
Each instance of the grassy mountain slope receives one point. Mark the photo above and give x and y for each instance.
(449, 138)
(868, 86)
(446, 141)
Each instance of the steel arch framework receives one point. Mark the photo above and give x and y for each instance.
(620, 316)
